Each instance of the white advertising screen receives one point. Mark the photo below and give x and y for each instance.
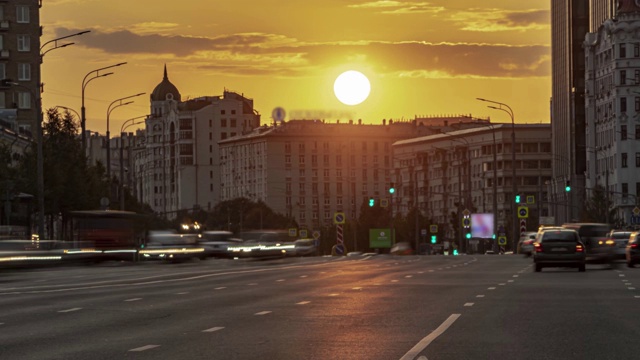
(482, 226)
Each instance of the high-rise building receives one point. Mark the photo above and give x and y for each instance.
(20, 62)
(601, 10)
(613, 110)
(569, 25)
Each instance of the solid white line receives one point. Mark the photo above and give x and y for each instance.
(468, 304)
(263, 313)
(146, 347)
(303, 303)
(419, 347)
(213, 329)
(134, 299)
(69, 310)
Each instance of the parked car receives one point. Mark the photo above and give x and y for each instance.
(632, 251)
(619, 240)
(559, 248)
(525, 244)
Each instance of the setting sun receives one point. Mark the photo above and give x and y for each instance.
(352, 87)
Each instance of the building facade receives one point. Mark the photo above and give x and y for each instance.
(177, 166)
(613, 108)
(449, 172)
(20, 62)
(311, 169)
(569, 25)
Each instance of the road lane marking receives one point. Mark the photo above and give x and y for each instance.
(134, 299)
(253, 284)
(637, 296)
(422, 345)
(334, 294)
(182, 293)
(262, 313)
(516, 276)
(440, 269)
(409, 276)
(502, 284)
(357, 288)
(217, 328)
(69, 310)
(468, 304)
(479, 296)
(431, 270)
(420, 272)
(631, 288)
(621, 275)
(220, 288)
(510, 280)
(303, 276)
(146, 347)
(491, 288)
(280, 280)
(303, 303)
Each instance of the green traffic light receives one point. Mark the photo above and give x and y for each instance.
(455, 252)
(433, 239)
(567, 188)
(468, 235)
(372, 202)
(392, 190)
(518, 198)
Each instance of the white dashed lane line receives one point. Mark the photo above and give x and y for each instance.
(515, 276)
(356, 288)
(468, 304)
(253, 284)
(220, 288)
(146, 347)
(213, 329)
(69, 310)
(303, 303)
(303, 276)
(134, 299)
(510, 281)
(182, 293)
(280, 280)
(334, 294)
(502, 284)
(262, 313)
(491, 288)
(409, 276)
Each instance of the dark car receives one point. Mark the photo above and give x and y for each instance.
(559, 248)
(633, 249)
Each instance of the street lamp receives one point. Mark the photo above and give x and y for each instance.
(85, 81)
(117, 103)
(506, 108)
(122, 128)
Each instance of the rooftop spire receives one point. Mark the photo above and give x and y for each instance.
(165, 73)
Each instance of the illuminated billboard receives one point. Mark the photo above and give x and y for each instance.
(482, 226)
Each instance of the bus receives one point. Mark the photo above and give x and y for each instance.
(105, 235)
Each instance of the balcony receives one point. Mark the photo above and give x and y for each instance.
(4, 24)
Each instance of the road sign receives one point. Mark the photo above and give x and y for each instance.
(384, 203)
(466, 222)
(278, 114)
(316, 234)
(339, 249)
(433, 228)
(303, 233)
(502, 240)
(523, 212)
(423, 232)
(523, 226)
(636, 211)
(293, 232)
(466, 212)
(531, 199)
(339, 218)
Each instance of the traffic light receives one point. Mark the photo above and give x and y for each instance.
(392, 188)
(468, 235)
(567, 186)
(517, 198)
(372, 202)
(433, 239)
(455, 252)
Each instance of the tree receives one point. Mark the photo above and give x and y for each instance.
(599, 208)
(241, 214)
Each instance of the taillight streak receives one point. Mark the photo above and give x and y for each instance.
(579, 248)
(538, 247)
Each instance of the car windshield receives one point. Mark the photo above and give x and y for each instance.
(559, 236)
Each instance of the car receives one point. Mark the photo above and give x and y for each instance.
(594, 238)
(632, 251)
(559, 248)
(217, 242)
(402, 248)
(619, 240)
(525, 244)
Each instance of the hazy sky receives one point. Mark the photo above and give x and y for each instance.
(422, 57)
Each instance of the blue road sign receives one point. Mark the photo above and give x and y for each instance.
(339, 249)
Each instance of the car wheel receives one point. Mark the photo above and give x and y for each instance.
(582, 268)
(538, 267)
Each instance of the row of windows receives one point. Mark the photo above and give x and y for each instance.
(24, 71)
(326, 147)
(624, 160)
(23, 42)
(624, 135)
(339, 162)
(21, 99)
(22, 14)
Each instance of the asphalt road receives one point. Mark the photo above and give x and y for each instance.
(380, 307)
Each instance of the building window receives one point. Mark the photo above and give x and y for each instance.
(3, 70)
(24, 72)
(3, 104)
(637, 132)
(623, 132)
(24, 100)
(233, 112)
(24, 43)
(623, 158)
(637, 104)
(223, 122)
(301, 159)
(623, 77)
(636, 50)
(222, 112)
(637, 159)
(287, 159)
(22, 14)
(233, 123)
(625, 189)
(623, 104)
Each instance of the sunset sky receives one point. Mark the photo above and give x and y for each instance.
(423, 58)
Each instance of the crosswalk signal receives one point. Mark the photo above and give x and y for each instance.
(567, 186)
(433, 239)
(372, 202)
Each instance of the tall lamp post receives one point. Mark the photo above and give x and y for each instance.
(122, 128)
(506, 108)
(37, 99)
(114, 105)
(83, 121)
